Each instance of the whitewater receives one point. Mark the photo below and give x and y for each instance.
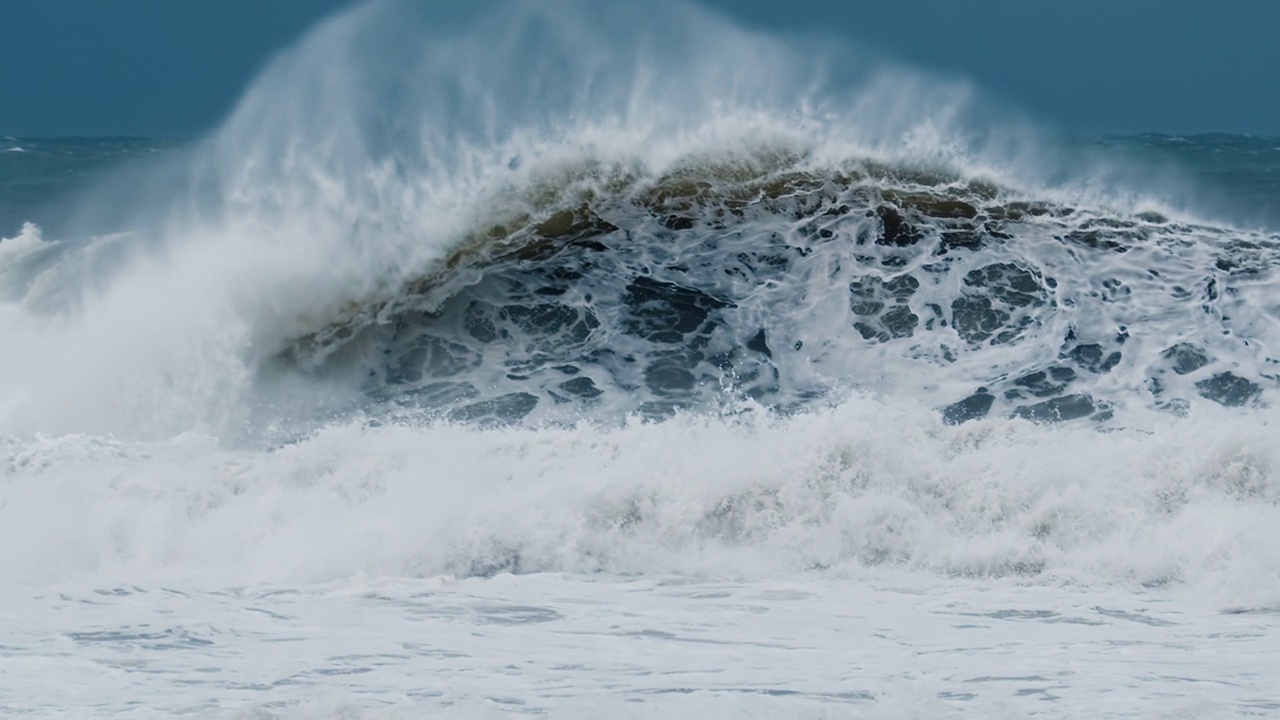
(550, 359)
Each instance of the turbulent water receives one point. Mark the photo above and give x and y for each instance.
(545, 359)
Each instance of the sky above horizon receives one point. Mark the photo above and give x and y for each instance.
(165, 68)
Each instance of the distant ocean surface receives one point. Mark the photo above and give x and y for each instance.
(639, 366)
(42, 179)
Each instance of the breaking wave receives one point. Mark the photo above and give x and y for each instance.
(557, 287)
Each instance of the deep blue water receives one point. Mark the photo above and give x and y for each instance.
(1239, 174)
(44, 180)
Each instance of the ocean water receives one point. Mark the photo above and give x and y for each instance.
(555, 360)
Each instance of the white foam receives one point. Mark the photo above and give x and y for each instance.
(309, 199)
(861, 485)
(29, 236)
(690, 567)
(603, 646)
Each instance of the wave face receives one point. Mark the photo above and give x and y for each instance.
(712, 299)
(771, 279)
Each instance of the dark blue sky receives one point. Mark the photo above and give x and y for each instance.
(174, 67)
